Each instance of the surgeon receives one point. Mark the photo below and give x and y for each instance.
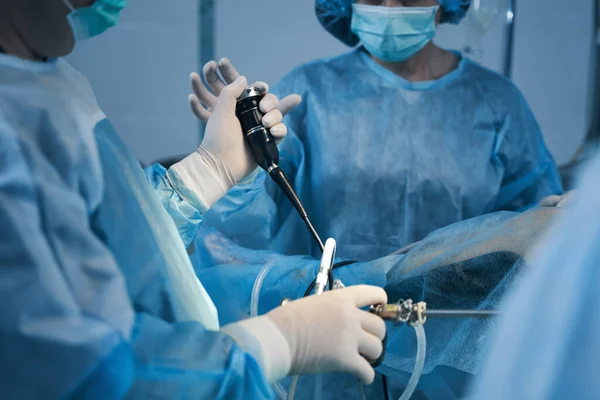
(393, 140)
(99, 299)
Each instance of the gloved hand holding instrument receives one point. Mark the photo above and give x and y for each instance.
(260, 136)
(224, 158)
(325, 333)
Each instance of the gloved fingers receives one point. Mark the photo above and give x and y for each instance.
(361, 369)
(268, 103)
(370, 346)
(288, 103)
(204, 95)
(230, 93)
(228, 71)
(272, 118)
(372, 324)
(550, 201)
(199, 111)
(211, 76)
(362, 295)
(279, 132)
(559, 201)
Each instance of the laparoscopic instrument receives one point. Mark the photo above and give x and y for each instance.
(405, 311)
(265, 151)
(415, 315)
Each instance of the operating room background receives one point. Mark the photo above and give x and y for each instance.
(152, 51)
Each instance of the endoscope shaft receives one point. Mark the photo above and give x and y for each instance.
(462, 313)
(405, 311)
(279, 177)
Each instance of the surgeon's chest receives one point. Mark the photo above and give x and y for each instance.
(408, 149)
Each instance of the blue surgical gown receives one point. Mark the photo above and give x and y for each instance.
(547, 346)
(99, 296)
(380, 162)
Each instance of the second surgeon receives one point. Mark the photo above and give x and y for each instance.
(393, 140)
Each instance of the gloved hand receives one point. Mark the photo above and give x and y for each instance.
(211, 75)
(316, 334)
(224, 158)
(563, 201)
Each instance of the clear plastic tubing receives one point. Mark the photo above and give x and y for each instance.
(293, 388)
(256, 288)
(419, 363)
(254, 312)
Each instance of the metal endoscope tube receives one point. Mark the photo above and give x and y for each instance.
(462, 313)
(405, 311)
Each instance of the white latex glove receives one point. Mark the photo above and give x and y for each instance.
(316, 334)
(203, 95)
(563, 201)
(224, 158)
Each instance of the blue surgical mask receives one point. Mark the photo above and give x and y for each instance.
(91, 21)
(393, 34)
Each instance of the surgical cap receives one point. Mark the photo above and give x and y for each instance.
(336, 15)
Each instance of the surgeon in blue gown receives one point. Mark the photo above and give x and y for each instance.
(393, 140)
(99, 298)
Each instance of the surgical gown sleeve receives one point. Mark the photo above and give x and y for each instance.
(187, 218)
(65, 318)
(67, 325)
(530, 173)
(184, 361)
(547, 346)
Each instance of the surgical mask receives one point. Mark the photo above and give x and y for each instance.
(393, 34)
(91, 21)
